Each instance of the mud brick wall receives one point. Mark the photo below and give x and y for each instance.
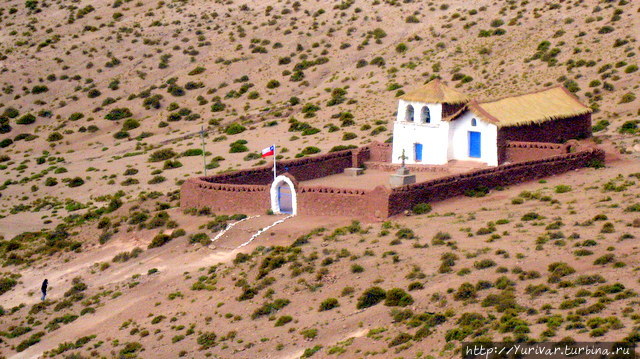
(308, 168)
(360, 156)
(367, 205)
(516, 151)
(256, 176)
(225, 198)
(380, 152)
(406, 197)
(392, 167)
(556, 131)
(303, 169)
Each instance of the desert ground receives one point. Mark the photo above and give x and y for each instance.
(104, 109)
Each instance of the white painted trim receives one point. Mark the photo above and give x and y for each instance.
(275, 206)
(222, 232)
(262, 230)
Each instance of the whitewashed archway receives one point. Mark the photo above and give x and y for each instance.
(279, 182)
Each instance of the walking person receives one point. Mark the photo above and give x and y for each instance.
(45, 284)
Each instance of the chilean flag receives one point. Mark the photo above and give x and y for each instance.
(269, 151)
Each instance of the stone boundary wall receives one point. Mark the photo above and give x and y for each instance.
(380, 152)
(303, 169)
(308, 168)
(369, 205)
(225, 198)
(404, 198)
(225, 193)
(391, 167)
(518, 151)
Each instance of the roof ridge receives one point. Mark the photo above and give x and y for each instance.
(532, 93)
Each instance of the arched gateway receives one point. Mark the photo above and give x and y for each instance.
(283, 196)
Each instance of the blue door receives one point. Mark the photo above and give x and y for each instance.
(284, 198)
(474, 144)
(418, 151)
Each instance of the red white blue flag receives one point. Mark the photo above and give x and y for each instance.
(269, 151)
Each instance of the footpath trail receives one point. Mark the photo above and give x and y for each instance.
(238, 234)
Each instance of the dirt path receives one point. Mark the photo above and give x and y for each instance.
(243, 231)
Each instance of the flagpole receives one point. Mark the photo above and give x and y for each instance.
(204, 156)
(274, 163)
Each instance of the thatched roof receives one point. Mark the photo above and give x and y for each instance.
(546, 105)
(435, 91)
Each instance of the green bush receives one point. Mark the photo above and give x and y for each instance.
(198, 70)
(129, 349)
(130, 124)
(76, 116)
(348, 136)
(421, 208)
(342, 148)
(11, 112)
(55, 136)
(159, 240)
(483, 264)
(402, 48)
(118, 114)
(283, 320)
(6, 284)
(270, 308)
(400, 339)
(605, 259)
(328, 304)
(238, 146)
(206, 340)
(628, 97)
(192, 152)
(37, 89)
(26, 119)
(75, 182)
(465, 291)
(234, 129)
(310, 150)
(32, 340)
(162, 155)
(371, 297)
(397, 297)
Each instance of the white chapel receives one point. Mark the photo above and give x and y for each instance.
(436, 124)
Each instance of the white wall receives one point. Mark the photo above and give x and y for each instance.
(459, 139)
(433, 136)
(434, 108)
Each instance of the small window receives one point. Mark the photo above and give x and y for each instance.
(409, 114)
(425, 115)
(474, 123)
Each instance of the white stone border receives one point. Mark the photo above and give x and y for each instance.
(229, 227)
(275, 206)
(259, 232)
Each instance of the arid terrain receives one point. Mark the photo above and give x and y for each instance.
(102, 105)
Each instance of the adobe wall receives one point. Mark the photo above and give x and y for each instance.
(556, 131)
(380, 152)
(367, 205)
(391, 167)
(303, 169)
(308, 168)
(406, 197)
(225, 198)
(376, 204)
(516, 151)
